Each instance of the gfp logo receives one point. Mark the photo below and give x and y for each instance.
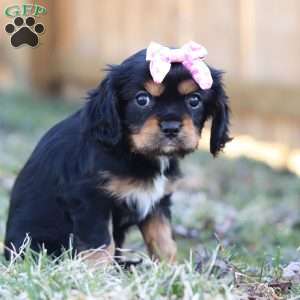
(24, 30)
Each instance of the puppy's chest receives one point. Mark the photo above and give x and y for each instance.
(139, 195)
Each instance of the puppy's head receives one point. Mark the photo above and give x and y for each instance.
(157, 119)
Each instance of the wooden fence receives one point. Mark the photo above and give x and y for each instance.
(256, 42)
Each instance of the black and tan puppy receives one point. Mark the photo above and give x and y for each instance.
(110, 162)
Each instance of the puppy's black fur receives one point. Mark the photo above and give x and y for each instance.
(114, 142)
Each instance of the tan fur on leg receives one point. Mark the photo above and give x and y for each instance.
(157, 234)
(99, 256)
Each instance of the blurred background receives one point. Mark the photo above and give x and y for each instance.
(255, 42)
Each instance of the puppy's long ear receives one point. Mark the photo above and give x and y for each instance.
(101, 118)
(220, 116)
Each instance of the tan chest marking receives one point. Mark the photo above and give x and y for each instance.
(139, 195)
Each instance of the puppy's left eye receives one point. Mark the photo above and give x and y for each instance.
(142, 99)
(193, 101)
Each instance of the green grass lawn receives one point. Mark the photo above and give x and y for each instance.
(237, 224)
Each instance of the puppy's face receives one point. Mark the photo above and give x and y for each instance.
(166, 118)
(160, 119)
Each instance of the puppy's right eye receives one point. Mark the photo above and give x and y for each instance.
(142, 99)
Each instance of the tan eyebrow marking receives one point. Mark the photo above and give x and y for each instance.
(153, 88)
(187, 86)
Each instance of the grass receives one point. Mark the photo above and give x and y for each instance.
(45, 279)
(237, 225)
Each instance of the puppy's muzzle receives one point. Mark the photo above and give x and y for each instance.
(170, 129)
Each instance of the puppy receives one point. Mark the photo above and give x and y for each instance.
(106, 167)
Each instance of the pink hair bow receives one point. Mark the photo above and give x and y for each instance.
(191, 55)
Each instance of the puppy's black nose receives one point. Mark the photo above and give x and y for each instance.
(170, 128)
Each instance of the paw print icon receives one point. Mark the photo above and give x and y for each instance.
(24, 32)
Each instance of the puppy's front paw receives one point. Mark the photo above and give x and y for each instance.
(98, 257)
